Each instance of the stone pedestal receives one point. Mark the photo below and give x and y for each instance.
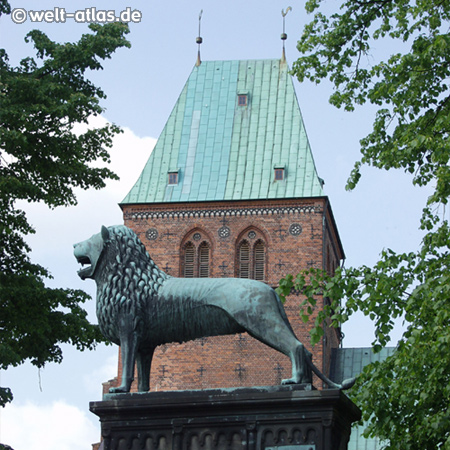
(265, 418)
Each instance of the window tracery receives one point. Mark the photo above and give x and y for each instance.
(196, 256)
(251, 255)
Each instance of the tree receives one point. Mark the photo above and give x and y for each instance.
(43, 160)
(406, 398)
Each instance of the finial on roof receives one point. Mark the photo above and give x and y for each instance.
(199, 39)
(284, 35)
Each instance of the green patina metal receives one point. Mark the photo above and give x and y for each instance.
(350, 362)
(227, 151)
(139, 307)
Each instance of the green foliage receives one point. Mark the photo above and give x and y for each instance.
(43, 159)
(5, 447)
(410, 87)
(405, 399)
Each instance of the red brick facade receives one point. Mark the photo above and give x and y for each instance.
(291, 235)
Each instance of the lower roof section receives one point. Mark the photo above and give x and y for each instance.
(348, 363)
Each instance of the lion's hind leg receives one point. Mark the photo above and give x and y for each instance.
(301, 371)
(274, 332)
(144, 362)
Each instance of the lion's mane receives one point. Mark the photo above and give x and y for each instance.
(130, 279)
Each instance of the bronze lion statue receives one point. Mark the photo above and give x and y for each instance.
(139, 307)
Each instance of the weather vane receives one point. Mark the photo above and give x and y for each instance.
(199, 39)
(284, 35)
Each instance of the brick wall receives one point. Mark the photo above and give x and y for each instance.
(297, 234)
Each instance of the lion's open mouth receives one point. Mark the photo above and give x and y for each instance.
(84, 272)
(88, 253)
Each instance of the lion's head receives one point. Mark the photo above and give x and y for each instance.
(114, 249)
(89, 252)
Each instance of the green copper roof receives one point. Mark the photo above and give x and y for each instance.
(348, 363)
(224, 151)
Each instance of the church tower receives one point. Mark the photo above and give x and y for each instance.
(231, 190)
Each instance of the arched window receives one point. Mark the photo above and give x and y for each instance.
(259, 261)
(251, 256)
(244, 260)
(195, 256)
(189, 258)
(203, 260)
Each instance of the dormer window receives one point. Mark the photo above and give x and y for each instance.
(279, 173)
(173, 177)
(242, 99)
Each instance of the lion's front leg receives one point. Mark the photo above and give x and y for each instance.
(128, 348)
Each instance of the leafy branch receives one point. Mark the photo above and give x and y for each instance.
(404, 398)
(44, 160)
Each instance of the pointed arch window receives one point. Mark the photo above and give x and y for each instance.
(189, 258)
(203, 260)
(259, 261)
(195, 257)
(244, 260)
(251, 257)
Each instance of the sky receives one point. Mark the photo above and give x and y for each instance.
(51, 407)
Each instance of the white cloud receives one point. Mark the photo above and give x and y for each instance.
(128, 157)
(106, 371)
(58, 426)
(57, 230)
(61, 425)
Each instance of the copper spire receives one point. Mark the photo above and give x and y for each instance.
(199, 39)
(284, 35)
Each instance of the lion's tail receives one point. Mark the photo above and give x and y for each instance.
(346, 384)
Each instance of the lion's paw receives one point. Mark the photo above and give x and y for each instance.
(118, 390)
